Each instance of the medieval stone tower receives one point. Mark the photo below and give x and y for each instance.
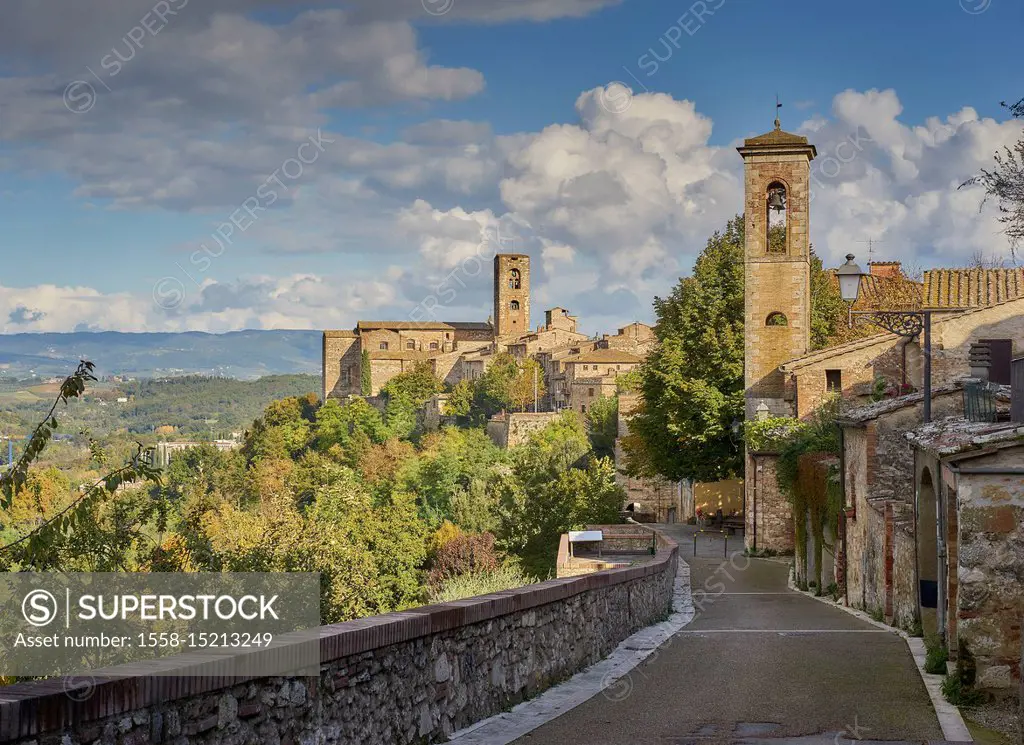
(777, 311)
(777, 264)
(511, 294)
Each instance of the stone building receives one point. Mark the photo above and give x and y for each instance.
(592, 375)
(777, 309)
(969, 482)
(511, 295)
(783, 377)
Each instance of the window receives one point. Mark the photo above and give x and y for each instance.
(590, 392)
(583, 408)
(776, 218)
(776, 319)
(410, 345)
(515, 280)
(433, 345)
(585, 367)
(514, 305)
(383, 346)
(346, 376)
(834, 381)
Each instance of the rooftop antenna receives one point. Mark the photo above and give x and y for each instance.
(871, 246)
(778, 124)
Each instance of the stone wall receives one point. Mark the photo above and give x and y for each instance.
(990, 595)
(514, 428)
(340, 353)
(768, 515)
(409, 677)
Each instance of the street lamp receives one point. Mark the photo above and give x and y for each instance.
(906, 323)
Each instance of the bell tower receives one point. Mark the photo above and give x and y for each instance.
(777, 297)
(511, 295)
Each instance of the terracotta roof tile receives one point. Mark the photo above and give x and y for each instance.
(971, 288)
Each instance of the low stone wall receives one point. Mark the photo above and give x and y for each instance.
(410, 677)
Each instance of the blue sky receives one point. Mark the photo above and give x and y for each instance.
(439, 130)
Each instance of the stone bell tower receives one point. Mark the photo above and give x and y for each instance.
(777, 312)
(511, 295)
(777, 264)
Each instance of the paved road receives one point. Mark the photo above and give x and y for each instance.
(758, 664)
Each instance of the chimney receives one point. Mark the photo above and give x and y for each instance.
(980, 360)
(885, 269)
(1017, 390)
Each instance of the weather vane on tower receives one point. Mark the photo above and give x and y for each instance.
(778, 124)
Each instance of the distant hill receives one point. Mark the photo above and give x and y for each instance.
(245, 355)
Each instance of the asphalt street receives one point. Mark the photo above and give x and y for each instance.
(758, 664)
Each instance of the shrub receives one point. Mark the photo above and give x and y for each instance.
(471, 584)
(960, 694)
(462, 554)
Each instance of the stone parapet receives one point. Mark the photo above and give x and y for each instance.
(409, 677)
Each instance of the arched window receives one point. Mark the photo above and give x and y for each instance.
(776, 319)
(515, 280)
(777, 217)
(514, 305)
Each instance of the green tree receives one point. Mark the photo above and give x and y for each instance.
(692, 384)
(555, 484)
(603, 425)
(405, 394)
(338, 424)
(365, 374)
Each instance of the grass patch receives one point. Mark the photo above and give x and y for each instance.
(936, 658)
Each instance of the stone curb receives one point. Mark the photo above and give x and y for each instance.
(950, 720)
(609, 677)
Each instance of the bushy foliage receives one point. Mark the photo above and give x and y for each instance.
(463, 553)
(506, 577)
(603, 425)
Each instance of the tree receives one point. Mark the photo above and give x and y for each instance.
(527, 385)
(48, 545)
(405, 394)
(365, 374)
(603, 425)
(339, 424)
(1004, 182)
(692, 384)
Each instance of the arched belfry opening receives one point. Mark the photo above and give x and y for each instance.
(515, 280)
(777, 217)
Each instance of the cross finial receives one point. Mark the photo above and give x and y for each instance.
(778, 124)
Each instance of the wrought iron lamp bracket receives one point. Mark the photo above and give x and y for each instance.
(908, 324)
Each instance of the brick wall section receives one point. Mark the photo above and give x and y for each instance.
(407, 677)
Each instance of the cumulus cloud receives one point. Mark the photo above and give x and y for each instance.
(613, 206)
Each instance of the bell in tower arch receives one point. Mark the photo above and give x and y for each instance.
(777, 218)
